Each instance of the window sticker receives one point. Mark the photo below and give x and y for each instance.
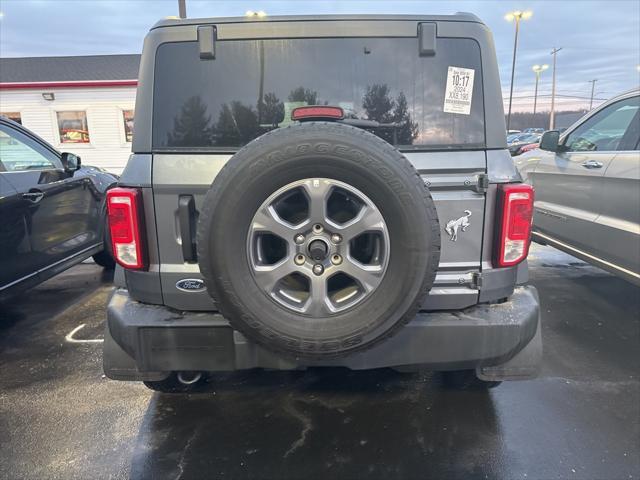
(459, 91)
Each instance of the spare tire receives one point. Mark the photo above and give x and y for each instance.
(318, 240)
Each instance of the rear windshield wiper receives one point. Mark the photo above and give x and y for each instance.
(357, 122)
(374, 125)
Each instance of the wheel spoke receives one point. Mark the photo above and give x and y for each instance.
(369, 219)
(318, 303)
(267, 220)
(268, 276)
(318, 192)
(368, 276)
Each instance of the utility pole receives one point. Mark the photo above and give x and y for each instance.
(182, 8)
(593, 86)
(552, 116)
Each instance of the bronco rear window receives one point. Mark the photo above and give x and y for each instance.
(253, 85)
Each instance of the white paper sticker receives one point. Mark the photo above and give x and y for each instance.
(457, 96)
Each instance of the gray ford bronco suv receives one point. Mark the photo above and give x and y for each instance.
(320, 191)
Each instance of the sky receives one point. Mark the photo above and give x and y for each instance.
(599, 39)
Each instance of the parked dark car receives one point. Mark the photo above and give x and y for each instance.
(52, 210)
(517, 143)
(527, 148)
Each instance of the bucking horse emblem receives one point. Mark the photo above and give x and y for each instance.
(454, 225)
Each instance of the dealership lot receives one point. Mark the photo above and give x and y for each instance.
(60, 418)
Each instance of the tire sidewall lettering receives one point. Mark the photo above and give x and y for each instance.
(278, 157)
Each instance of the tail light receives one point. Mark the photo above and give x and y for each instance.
(124, 208)
(514, 212)
(317, 111)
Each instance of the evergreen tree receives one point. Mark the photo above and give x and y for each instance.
(405, 134)
(237, 125)
(377, 103)
(192, 127)
(302, 94)
(272, 111)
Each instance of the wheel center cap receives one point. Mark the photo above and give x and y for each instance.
(318, 250)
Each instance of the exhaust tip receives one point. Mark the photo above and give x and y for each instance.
(189, 378)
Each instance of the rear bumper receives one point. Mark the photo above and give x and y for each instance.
(145, 342)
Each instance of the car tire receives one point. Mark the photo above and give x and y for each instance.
(310, 152)
(105, 260)
(105, 257)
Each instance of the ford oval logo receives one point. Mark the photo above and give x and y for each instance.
(190, 285)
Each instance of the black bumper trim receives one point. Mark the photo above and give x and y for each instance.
(158, 339)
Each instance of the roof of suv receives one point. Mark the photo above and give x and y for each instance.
(457, 17)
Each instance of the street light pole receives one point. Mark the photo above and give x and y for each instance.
(517, 16)
(593, 86)
(513, 69)
(552, 116)
(538, 69)
(182, 8)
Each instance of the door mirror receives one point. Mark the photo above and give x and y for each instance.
(70, 162)
(550, 141)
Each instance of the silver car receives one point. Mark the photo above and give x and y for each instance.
(587, 187)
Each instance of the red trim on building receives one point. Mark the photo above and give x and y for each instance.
(68, 84)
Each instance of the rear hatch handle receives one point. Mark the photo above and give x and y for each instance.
(187, 221)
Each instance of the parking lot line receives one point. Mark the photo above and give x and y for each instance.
(69, 338)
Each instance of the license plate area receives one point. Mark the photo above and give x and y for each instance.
(166, 348)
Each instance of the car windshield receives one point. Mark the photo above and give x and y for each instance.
(253, 85)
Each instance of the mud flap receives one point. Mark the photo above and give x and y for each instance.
(118, 365)
(524, 366)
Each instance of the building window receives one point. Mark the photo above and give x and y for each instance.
(15, 116)
(73, 127)
(127, 116)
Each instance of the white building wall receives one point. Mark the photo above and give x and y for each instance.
(107, 148)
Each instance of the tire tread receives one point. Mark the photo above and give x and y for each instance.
(259, 144)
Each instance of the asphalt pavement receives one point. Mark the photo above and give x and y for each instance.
(61, 418)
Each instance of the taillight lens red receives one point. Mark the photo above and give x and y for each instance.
(317, 111)
(124, 208)
(514, 211)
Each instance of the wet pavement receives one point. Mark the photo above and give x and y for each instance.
(60, 418)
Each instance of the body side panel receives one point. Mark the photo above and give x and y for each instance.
(617, 228)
